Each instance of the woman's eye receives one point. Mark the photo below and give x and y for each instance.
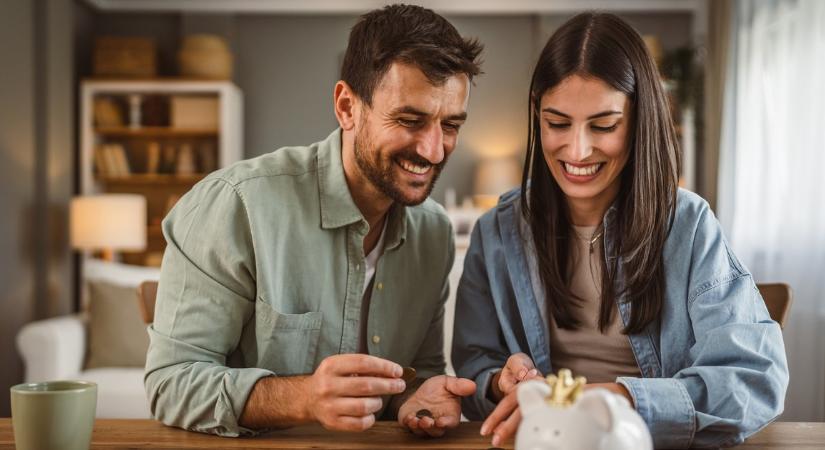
(558, 125)
(607, 129)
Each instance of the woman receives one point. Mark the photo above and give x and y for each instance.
(606, 267)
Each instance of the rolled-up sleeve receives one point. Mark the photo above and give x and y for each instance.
(738, 373)
(735, 386)
(478, 349)
(205, 298)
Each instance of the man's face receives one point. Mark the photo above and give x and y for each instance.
(403, 141)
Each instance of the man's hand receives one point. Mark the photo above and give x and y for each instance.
(345, 391)
(519, 367)
(441, 395)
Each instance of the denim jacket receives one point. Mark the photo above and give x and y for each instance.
(713, 367)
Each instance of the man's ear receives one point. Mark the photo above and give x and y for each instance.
(346, 103)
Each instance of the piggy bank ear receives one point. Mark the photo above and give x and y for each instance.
(531, 395)
(596, 403)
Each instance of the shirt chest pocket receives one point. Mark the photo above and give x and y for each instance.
(287, 343)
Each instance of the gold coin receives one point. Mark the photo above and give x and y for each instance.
(408, 375)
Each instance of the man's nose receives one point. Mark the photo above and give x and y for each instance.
(431, 144)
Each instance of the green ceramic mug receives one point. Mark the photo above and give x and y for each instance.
(53, 415)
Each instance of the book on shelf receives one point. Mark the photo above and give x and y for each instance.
(123, 169)
(111, 161)
(101, 162)
(152, 157)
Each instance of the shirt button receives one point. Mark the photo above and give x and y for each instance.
(376, 339)
(379, 286)
(358, 267)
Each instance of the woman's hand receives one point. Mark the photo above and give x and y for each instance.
(504, 420)
(519, 367)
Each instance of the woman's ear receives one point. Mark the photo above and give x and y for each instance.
(345, 102)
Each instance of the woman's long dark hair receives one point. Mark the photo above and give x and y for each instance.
(602, 46)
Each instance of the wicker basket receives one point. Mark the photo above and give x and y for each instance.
(125, 57)
(205, 56)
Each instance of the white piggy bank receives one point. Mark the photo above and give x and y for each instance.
(598, 420)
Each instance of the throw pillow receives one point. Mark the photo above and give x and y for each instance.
(117, 334)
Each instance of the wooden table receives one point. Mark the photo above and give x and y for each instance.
(137, 434)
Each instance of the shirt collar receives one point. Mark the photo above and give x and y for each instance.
(338, 209)
(396, 226)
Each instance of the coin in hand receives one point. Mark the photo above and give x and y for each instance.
(408, 375)
(424, 413)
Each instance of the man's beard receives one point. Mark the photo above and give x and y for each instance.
(380, 172)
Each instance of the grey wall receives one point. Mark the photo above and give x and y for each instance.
(287, 65)
(56, 111)
(17, 162)
(674, 29)
(36, 171)
(497, 121)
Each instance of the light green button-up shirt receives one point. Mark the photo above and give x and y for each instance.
(263, 276)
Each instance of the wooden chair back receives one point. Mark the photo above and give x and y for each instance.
(778, 298)
(147, 292)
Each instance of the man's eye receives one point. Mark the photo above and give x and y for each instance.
(451, 126)
(558, 125)
(409, 123)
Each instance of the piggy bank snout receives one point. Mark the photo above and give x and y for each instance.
(549, 436)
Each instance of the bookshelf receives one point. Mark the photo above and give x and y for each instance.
(155, 132)
(157, 138)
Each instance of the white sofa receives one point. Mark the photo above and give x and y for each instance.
(54, 349)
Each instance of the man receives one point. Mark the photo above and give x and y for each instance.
(296, 285)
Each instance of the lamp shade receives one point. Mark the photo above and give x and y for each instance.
(108, 221)
(495, 176)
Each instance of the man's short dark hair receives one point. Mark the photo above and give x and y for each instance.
(408, 34)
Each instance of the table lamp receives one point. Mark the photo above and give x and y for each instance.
(108, 222)
(495, 176)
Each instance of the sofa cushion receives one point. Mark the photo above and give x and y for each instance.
(117, 334)
(116, 273)
(120, 392)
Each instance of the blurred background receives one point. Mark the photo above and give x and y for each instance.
(112, 109)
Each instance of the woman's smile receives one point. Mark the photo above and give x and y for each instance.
(581, 172)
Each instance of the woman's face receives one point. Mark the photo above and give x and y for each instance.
(584, 130)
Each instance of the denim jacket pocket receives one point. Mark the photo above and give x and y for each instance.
(287, 343)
